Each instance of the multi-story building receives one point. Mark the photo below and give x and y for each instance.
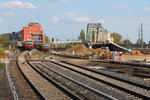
(103, 36)
(16, 36)
(33, 32)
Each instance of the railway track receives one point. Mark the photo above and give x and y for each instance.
(41, 86)
(124, 87)
(65, 80)
(74, 86)
(20, 88)
(135, 69)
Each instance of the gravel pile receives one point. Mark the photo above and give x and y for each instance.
(82, 50)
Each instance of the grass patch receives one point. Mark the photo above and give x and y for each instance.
(2, 65)
(37, 54)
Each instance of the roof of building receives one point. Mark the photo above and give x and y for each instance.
(33, 23)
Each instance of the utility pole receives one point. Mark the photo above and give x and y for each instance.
(139, 38)
(141, 35)
(97, 35)
(128, 40)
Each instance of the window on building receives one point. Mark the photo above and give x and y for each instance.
(35, 32)
(29, 35)
(28, 38)
(36, 28)
(29, 28)
(37, 38)
(29, 32)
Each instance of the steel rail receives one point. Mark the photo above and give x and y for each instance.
(108, 75)
(30, 84)
(114, 85)
(108, 97)
(62, 88)
(105, 74)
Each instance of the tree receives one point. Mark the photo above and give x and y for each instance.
(3, 39)
(127, 42)
(82, 35)
(47, 39)
(117, 38)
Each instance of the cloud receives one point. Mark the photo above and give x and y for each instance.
(100, 21)
(9, 14)
(71, 17)
(71, 14)
(81, 19)
(58, 0)
(78, 18)
(64, 0)
(17, 5)
(55, 19)
(122, 5)
(147, 9)
(1, 20)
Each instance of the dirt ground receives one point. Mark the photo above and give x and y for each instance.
(127, 70)
(141, 57)
(5, 92)
(84, 62)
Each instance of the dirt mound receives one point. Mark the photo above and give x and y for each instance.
(82, 50)
(79, 49)
(136, 52)
(96, 51)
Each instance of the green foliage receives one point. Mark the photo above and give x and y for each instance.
(2, 65)
(2, 50)
(37, 54)
(126, 41)
(63, 45)
(47, 39)
(3, 39)
(68, 45)
(117, 38)
(82, 35)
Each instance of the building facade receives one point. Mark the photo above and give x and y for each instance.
(33, 32)
(102, 36)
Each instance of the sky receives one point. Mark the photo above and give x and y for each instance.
(64, 19)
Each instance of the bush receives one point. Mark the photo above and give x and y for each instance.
(2, 65)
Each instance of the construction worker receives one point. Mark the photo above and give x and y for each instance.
(100, 55)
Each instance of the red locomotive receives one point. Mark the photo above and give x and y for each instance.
(28, 45)
(42, 46)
